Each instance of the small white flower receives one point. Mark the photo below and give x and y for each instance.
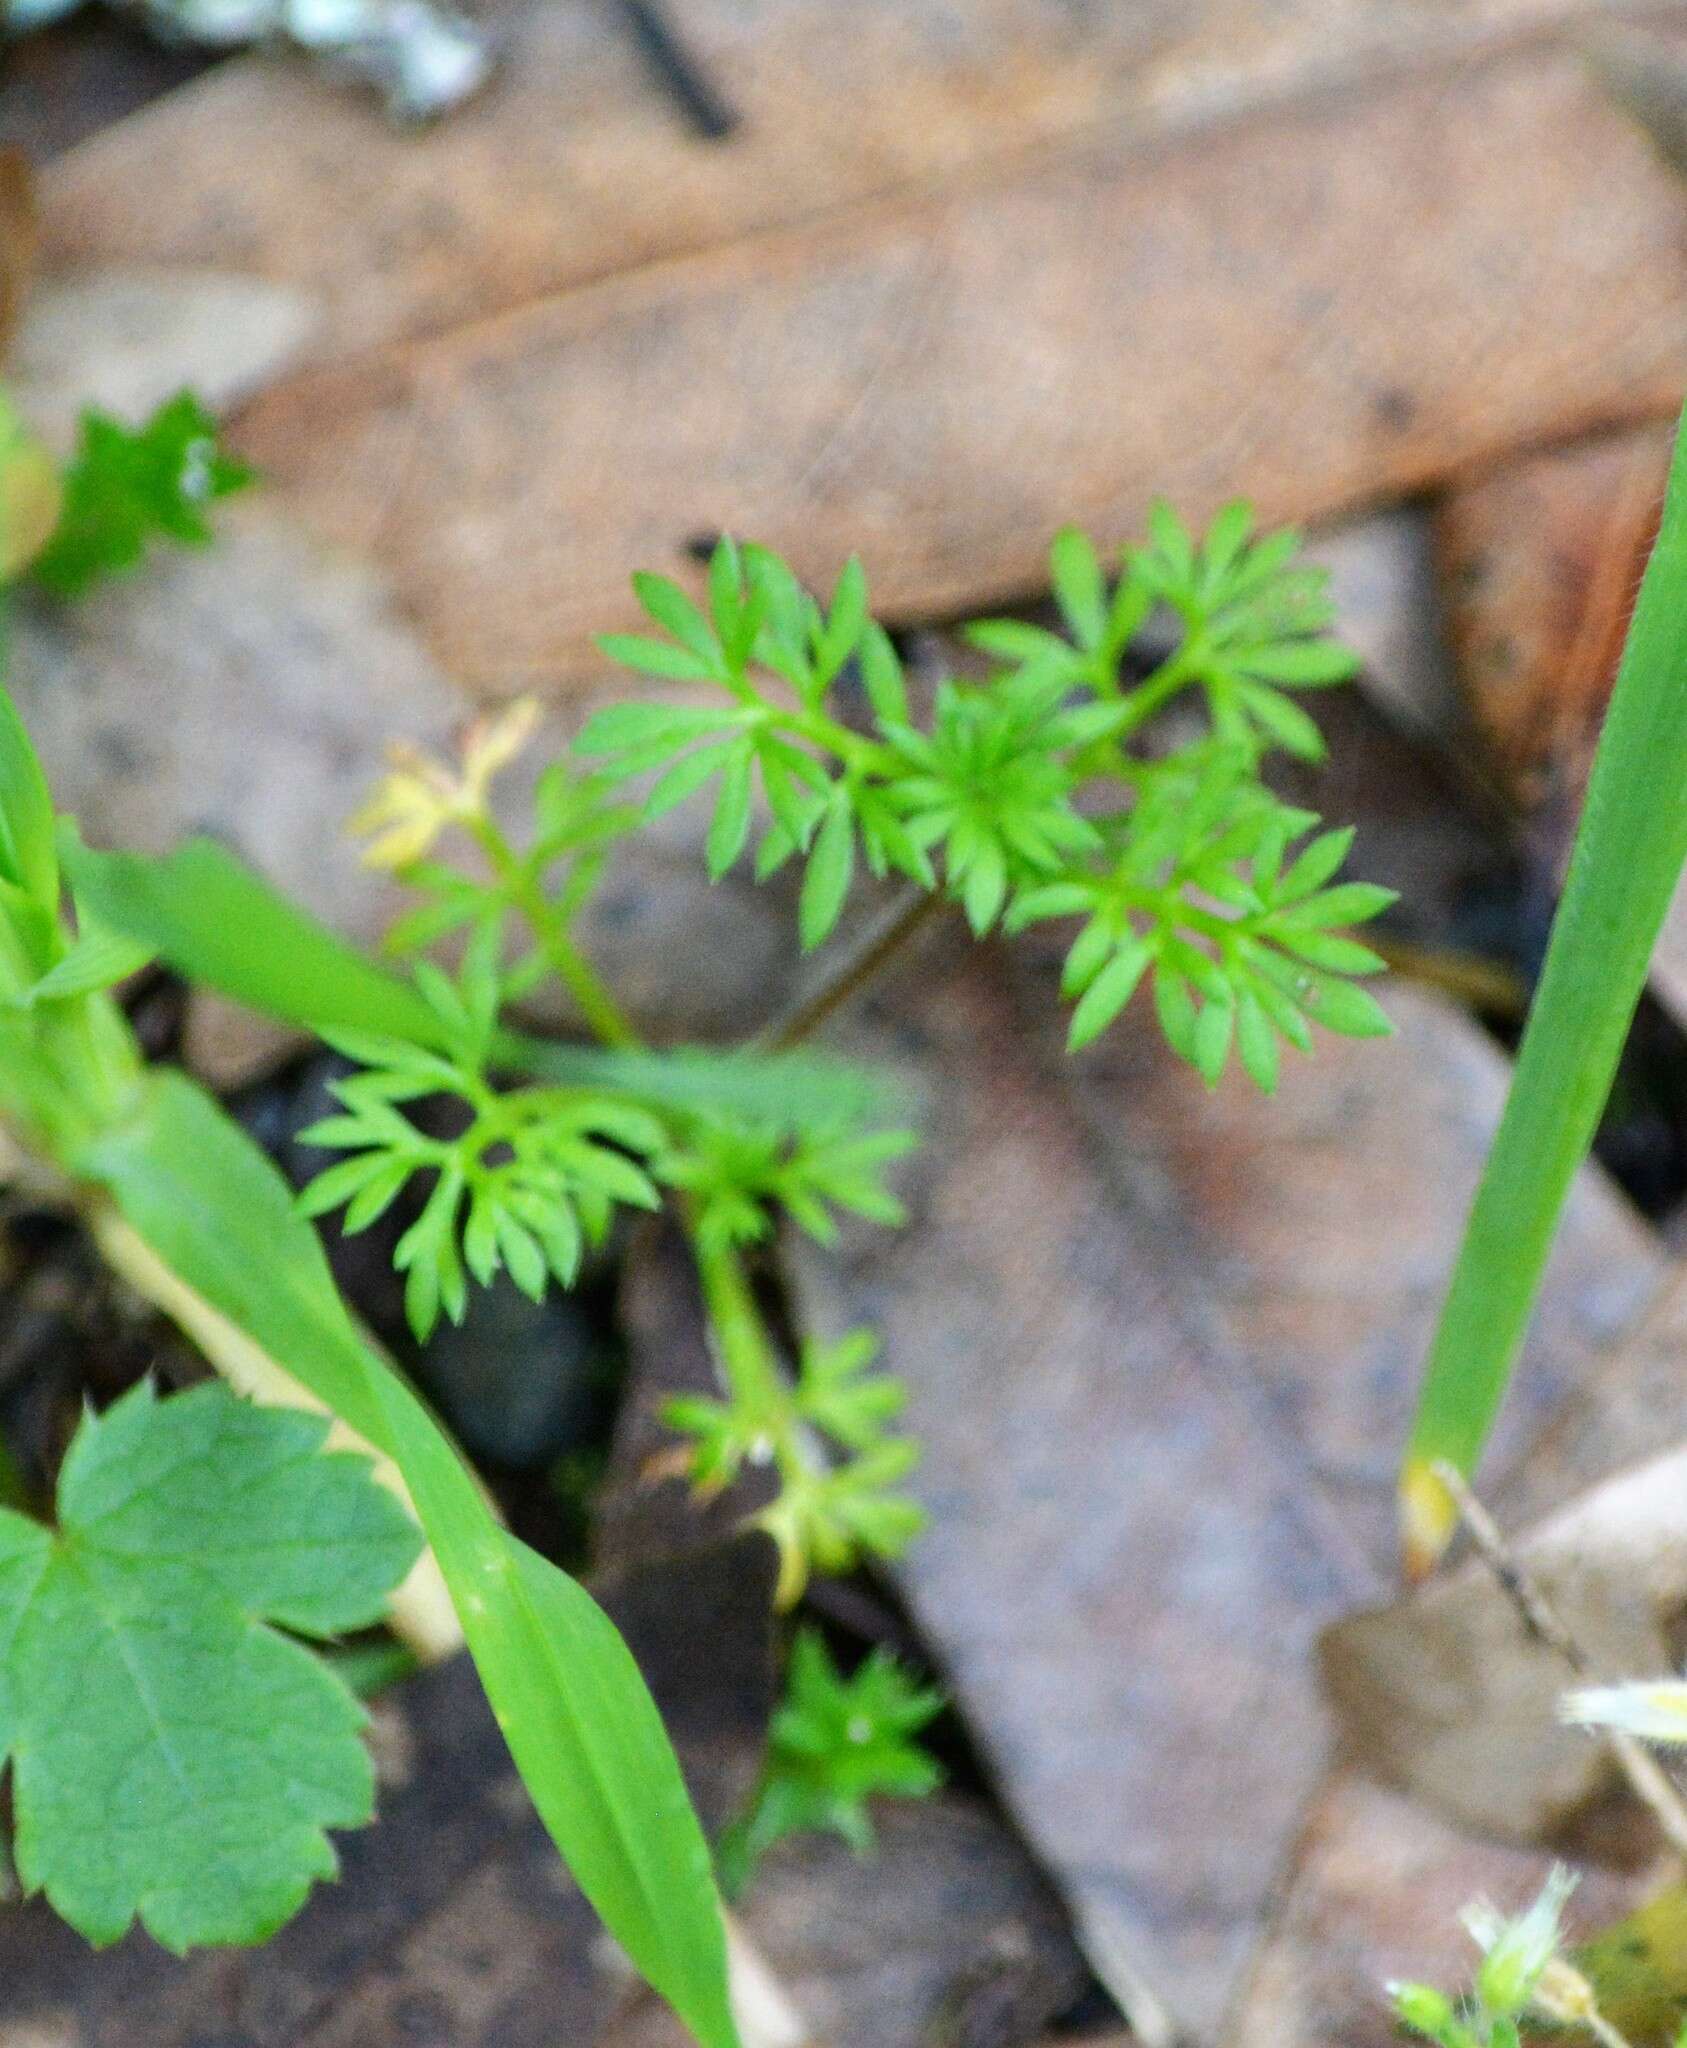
(1654, 1710)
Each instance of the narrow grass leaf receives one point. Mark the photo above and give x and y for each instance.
(1623, 873)
(209, 916)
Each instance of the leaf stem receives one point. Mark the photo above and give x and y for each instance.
(603, 1015)
(743, 1346)
(744, 1351)
(858, 753)
(1159, 688)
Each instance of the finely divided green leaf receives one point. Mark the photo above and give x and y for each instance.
(658, 658)
(826, 879)
(1078, 586)
(99, 960)
(672, 610)
(731, 823)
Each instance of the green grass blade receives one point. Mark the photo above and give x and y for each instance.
(28, 858)
(209, 916)
(1628, 857)
(579, 1721)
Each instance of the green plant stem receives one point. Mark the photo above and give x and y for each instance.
(1627, 860)
(1159, 689)
(860, 754)
(744, 1350)
(604, 1017)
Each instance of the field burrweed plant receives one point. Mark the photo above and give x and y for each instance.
(1043, 792)
(1019, 799)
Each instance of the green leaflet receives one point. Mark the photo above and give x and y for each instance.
(1019, 796)
(1628, 857)
(580, 1723)
(174, 1759)
(99, 960)
(129, 486)
(29, 868)
(27, 857)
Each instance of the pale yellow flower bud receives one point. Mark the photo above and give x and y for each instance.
(420, 797)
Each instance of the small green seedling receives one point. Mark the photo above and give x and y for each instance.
(835, 1743)
(1032, 796)
(1523, 1976)
(127, 488)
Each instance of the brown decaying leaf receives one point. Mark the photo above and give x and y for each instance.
(19, 238)
(578, 166)
(1199, 1325)
(1301, 309)
(1540, 560)
(1302, 306)
(125, 339)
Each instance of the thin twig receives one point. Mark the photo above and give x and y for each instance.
(858, 967)
(679, 70)
(1650, 1782)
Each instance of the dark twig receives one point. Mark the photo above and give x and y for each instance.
(679, 71)
(877, 945)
